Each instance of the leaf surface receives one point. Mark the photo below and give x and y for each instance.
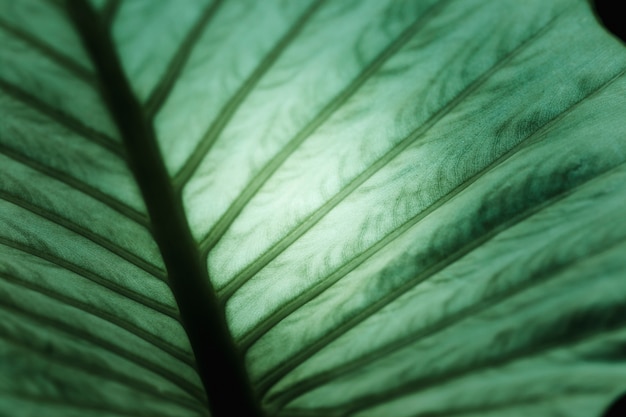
(401, 208)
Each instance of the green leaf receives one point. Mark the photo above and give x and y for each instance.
(320, 208)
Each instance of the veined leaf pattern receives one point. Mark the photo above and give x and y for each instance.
(409, 208)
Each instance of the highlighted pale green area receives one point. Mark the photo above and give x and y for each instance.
(410, 208)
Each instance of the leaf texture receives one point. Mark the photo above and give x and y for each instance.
(402, 208)
(89, 324)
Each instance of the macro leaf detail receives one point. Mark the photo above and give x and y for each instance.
(321, 208)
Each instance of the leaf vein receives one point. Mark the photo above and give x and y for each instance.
(48, 322)
(77, 184)
(614, 323)
(135, 330)
(493, 300)
(229, 216)
(289, 307)
(229, 109)
(86, 233)
(110, 12)
(64, 61)
(85, 405)
(91, 276)
(161, 92)
(254, 267)
(63, 119)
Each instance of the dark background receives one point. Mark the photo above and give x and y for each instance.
(611, 13)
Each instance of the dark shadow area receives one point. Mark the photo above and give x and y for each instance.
(611, 14)
(617, 408)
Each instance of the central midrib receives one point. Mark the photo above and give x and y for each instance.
(219, 364)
